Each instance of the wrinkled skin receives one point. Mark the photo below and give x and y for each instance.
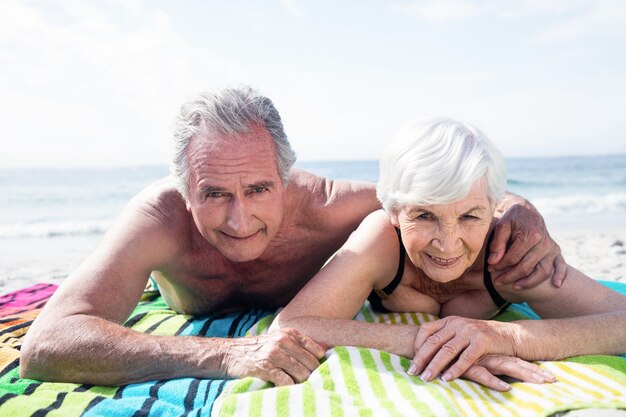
(523, 249)
(282, 357)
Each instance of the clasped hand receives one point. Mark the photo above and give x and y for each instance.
(473, 349)
(282, 357)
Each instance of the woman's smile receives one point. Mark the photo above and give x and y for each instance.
(443, 262)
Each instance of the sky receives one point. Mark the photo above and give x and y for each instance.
(99, 83)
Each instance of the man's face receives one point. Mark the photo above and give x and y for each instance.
(236, 196)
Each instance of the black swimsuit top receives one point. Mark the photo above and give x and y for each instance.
(376, 297)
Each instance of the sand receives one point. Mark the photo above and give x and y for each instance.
(600, 255)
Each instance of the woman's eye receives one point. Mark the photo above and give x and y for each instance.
(469, 217)
(424, 216)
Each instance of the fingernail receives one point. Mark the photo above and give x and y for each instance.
(497, 283)
(548, 376)
(505, 386)
(447, 377)
(412, 370)
(425, 376)
(517, 287)
(538, 378)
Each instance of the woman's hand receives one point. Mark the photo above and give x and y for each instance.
(456, 344)
(486, 368)
(473, 349)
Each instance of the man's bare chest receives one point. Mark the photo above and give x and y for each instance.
(203, 285)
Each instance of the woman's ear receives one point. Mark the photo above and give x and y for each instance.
(393, 217)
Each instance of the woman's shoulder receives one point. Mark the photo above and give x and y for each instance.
(376, 243)
(377, 225)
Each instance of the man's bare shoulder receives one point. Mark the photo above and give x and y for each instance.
(157, 218)
(334, 203)
(161, 203)
(327, 191)
(305, 187)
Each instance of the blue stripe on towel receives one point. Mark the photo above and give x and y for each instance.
(183, 396)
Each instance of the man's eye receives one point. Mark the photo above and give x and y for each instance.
(424, 216)
(469, 217)
(259, 189)
(214, 194)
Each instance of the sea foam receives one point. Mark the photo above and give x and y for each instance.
(582, 204)
(53, 229)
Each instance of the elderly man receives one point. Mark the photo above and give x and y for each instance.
(233, 228)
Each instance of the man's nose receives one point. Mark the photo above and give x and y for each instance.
(239, 218)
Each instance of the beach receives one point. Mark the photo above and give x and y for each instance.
(52, 219)
(600, 255)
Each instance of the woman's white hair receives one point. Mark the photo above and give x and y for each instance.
(437, 161)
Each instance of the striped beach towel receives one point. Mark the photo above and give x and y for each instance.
(350, 381)
(366, 382)
(176, 397)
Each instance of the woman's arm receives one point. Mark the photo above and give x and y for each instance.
(398, 339)
(393, 338)
(583, 317)
(323, 309)
(367, 260)
(459, 342)
(578, 296)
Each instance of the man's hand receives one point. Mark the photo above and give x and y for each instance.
(523, 249)
(459, 346)
(282, 357)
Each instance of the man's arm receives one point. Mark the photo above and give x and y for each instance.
(79, 336)
(522, 248)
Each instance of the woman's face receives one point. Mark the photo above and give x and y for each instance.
(444, 240)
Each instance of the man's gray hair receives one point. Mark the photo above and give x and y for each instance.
(437, 161)
(233, 112)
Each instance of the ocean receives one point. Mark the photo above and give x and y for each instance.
(51, 219)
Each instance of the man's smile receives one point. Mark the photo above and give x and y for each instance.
(242, 237)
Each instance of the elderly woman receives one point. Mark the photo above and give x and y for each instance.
(427, 251)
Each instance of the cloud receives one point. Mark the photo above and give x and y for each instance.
(128, 57)
(436, 11)
(603, 17)
(566, 19)
(451, 10)
(293, 6)
(101, 71)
